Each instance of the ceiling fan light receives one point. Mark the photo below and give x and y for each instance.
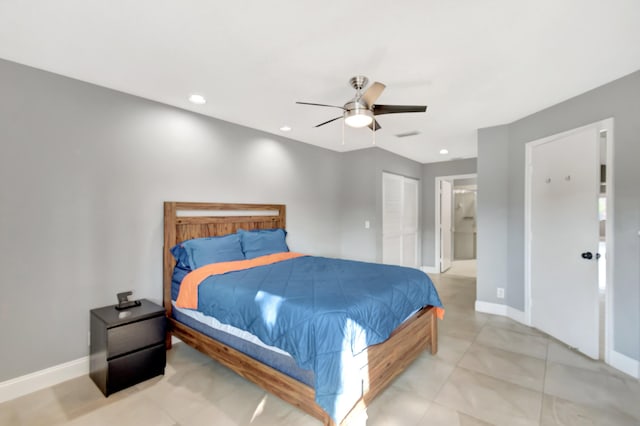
(358, 118)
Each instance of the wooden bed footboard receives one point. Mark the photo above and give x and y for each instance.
(386, 360)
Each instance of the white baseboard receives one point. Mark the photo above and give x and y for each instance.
(499, 309)
(23, 385)
(625, 364)
(491, 308)
(14, 388)
(429, 269)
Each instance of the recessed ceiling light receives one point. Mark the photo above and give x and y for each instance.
(444, 151)
(197, 99)
(285, 128)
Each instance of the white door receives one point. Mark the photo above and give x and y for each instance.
(446, 197)
(564, 230)
(410, 223)
(391, 219)
(399, 220)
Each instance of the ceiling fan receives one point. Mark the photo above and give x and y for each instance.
(361, 110)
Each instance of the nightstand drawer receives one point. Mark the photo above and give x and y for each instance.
(131, 337)
(136, 367)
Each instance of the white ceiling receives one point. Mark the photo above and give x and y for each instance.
(474, 63)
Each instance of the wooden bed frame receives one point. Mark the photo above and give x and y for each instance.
(386, 360)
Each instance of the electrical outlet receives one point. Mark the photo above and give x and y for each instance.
(500, 293)
(367, 224)
(88, 338)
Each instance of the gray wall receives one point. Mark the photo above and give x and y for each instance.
(83, 174)
(429, 174)
(465, 182)
(361, 199)
(501, 156)
(493, 213)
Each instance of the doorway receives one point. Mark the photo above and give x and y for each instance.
(464, 228)
(564, 236)
(455, 242)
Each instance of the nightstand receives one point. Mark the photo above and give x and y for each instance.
(127, 346)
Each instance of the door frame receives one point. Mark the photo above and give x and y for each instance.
(446, 185)
(437, 265)
(603, 125)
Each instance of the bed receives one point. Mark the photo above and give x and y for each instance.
(184, 221)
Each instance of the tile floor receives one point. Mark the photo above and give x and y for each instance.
(464, 268)
(489, 370)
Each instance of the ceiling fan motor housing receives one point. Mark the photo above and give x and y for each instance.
(358, 82)
(357, 114)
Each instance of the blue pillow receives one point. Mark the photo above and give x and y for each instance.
(262, 242)
(179, 272)
(192, 254)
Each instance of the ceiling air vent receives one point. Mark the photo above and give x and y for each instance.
(407, 134)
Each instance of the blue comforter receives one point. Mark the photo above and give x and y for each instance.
(324, 312)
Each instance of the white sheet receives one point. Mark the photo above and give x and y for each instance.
(214, 323)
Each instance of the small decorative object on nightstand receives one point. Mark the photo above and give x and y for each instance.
(127, 345)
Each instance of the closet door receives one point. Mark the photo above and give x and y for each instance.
(410, 223)
(399, 220)
(392, 206)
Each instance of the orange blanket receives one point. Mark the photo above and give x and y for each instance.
(188, 295)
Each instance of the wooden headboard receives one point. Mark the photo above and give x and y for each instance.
(184, 221)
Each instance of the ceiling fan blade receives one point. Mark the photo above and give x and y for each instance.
(323, 105)
(372, 93)
(376, 124)
(396, 109)
(329, 121)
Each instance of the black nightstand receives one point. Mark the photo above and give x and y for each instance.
(128, 346)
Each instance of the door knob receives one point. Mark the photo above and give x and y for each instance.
(587, 255)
